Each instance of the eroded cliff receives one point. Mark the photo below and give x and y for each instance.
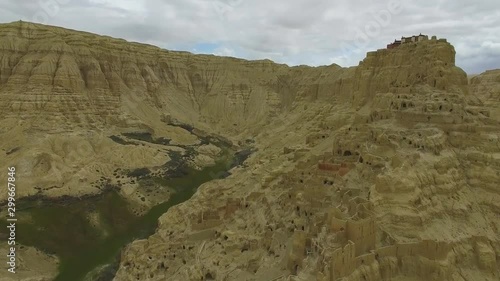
(65, 93)
(395, 181)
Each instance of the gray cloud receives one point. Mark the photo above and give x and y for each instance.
(313, 32)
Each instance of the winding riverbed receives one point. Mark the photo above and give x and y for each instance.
(90, 249)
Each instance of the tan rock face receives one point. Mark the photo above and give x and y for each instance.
(486, 87)
(400, 70)
(385, 171)
(32, 264)
(75, 77)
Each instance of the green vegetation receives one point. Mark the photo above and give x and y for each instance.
(83, 245)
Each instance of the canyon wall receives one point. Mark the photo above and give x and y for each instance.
(76, 78)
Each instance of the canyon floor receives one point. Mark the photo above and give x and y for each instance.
(384, 171)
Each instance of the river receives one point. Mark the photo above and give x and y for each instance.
(90, 251)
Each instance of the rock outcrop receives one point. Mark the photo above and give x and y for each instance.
(399, 70)
(486, 87)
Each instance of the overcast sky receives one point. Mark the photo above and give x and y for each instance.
(312, 32)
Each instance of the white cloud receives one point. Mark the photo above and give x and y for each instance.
(225, 52)
(294, 31)
(493, 46)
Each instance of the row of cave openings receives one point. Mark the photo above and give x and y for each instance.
(347, 153)
(402, 105)
(409, 104)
